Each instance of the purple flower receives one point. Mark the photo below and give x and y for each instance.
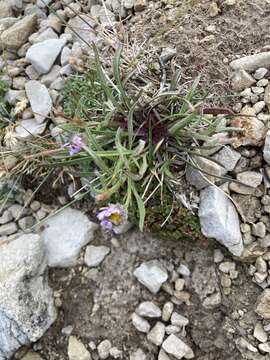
(112, 217)
(75, 145)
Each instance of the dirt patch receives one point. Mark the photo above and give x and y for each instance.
(98, 303)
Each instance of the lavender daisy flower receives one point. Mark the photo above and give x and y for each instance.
(75, 145)
(112, 217)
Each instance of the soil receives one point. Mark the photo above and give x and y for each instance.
(99, 303)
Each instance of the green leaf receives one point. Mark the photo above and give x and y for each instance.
(141, 207)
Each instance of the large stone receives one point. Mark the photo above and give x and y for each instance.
(43, 55)
(176, 347)
(40, 100)
(152, 275)
(26, 301)
(203, 173)
(64, 235)
(252, 62)
(94, 255)
(18, 34)
(219, 219)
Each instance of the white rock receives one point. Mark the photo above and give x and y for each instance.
(179, 320)
(36, 91)
(148, 309)
(152, 275)
(176, 347)
(26, 301)
(183, 270)
(140, 324)
(241, 80)
(266, 149)
(264, 347)
(252, 62)
(138, 355)
(167, 311)
(94, 255)
(172, 329)
(259, 333)
(220, 220)
(260, 73)
(162, 355)
(156, 334)
(43, 55)
(65, 56)
(104, 349)
(64, 235)
(228, 158)
(76, 350)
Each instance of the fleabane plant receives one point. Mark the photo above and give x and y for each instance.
(127, 147)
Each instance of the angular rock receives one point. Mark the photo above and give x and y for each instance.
(148, 309)
(36, 91)
(5, 9)
(167, 311)
(18, 34)
(228, 158)
(260, 73)
(208, 174)
(83, 25)
(259, 333)
(43, 55)
(138, 355)
(219, 219)
(176, 347)
(156, 334)
(266, 148)
(252, 62)
(64, 235)
(76, 350)
(152, 275)
(94, 255)
(104, 16)
(29, 128)
(140, 324)
(162, 355)
(179, 320)
(104, 349)
(47, 34)
(241, 80)
(263, 305)
(26, 301)
(8, 229)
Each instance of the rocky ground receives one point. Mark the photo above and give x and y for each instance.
(69, 291)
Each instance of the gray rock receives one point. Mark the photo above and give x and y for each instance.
(212, 301)
(17, 211)
(104, 349)
(43, 55)
(31, 9)
(250, 178)
(241, 80)
(260, 73)
(208, 174)
(228, 158)
(176, 347)
(65, 56)
(183, 270)
(219, 219)
(47, 34)
(152, 275)
(156, 334)
(29, 128)
(17, 35)
(266, 149)
(172, 329)
(179, 320)
(104, 16)
(140, 324)
(83, 25)
(64, 235)
(49, 78)
(12, 96)
(43, 3)
(259, 229)
(262, 307)
(259, 106)
(252, 62)
(76, 350)
(26, 301)
(94, 255)
(148, 309)
(6, 217)
(7, 23)
(26, 222)
(36, 91)
(8, 229)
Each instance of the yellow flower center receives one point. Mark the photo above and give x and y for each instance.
(116, 218)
